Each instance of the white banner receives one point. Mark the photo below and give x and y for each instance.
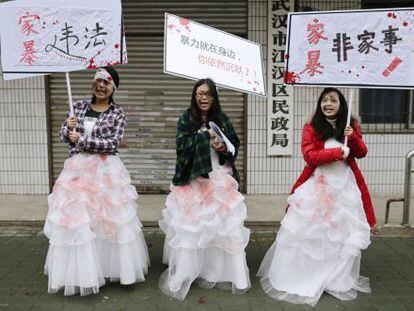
(195, 51)
(36, 39)
(363, 48)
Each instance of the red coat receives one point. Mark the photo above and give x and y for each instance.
(314, 154)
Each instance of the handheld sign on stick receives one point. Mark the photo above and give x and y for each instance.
(69, 93)
(348, 118)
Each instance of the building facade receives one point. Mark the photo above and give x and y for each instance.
(31, 110)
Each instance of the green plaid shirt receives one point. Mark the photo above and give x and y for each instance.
(193, 150)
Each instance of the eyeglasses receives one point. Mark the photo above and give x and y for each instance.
(201, 95)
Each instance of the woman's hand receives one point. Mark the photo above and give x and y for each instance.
(71, 121)
(375, 229)
(212, 133)
(74, 137)
(345, 152)
(348, 131)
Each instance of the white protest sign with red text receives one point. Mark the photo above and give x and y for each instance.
(363, 48)
(42, 37)
(196, 51)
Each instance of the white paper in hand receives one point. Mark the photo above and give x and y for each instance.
(222, 138)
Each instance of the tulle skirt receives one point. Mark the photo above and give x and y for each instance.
(92, 227)
(318, 247)
(205, 236)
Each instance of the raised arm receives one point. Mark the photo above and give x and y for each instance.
(357, 147)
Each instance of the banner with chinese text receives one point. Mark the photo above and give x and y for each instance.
(195, 51)
(363, 48)
(280, 101)
(36, 39)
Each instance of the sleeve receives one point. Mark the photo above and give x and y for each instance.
(64, 130)
(313, 156)
(193, 152)
(105, 144)
(357, 147)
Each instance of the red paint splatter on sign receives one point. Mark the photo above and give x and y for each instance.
(184, 21)
(405, 24)
(116, 45)
(290, 77)
(92, 64)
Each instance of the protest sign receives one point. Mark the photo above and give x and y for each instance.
(42, 37)
(193, 50)
(361, 48)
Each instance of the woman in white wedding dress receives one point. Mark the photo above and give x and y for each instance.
(92, 225)
(327, 224)
(203, 219)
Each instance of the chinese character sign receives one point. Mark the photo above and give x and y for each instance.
(279, 105)
(195, 51)
(37, 39)
(373, 48)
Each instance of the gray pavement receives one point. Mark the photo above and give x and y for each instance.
(260, 208)
(388, 262)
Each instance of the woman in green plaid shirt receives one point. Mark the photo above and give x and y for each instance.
(204, 214)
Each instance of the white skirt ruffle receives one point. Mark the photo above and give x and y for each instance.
(318, 247)
(92, 227)
(205, 236)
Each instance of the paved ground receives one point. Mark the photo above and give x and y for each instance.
(389, 263)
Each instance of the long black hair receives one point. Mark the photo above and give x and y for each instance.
(323, 128)
(195, 112)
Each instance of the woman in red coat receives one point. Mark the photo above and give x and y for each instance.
(318, 247)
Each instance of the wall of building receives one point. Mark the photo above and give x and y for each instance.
(24, 150)
(23, 137)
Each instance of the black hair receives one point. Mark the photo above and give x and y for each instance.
(322, 127)
(114, 74)
(195, 112)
